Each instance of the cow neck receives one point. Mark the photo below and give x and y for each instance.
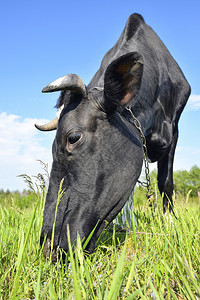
(137, 124)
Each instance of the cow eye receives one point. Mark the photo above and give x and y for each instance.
(74, 137)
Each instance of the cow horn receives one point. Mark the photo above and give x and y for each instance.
(68, 82)
(49, 126)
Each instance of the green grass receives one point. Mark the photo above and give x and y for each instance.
(157, 260)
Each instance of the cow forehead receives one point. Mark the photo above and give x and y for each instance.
(83, 116)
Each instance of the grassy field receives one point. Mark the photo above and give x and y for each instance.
(158, 259)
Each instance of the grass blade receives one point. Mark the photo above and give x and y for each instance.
(77, 286)
(116, 282)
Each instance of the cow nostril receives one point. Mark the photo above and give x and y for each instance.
(54, 255)
(47, 251)
(47, 248)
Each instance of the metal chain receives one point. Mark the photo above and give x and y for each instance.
(137, 124)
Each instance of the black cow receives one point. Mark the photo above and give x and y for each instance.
(97, 148)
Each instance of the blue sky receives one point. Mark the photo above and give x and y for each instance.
(43, 40)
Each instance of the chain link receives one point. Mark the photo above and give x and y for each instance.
(137, 124)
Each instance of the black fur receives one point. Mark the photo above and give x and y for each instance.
(101, 170)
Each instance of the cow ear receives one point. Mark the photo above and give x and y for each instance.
(123, 79)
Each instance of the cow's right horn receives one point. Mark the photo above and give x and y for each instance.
(68, 82)
(49, 126)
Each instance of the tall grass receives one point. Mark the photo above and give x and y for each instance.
(158, 259)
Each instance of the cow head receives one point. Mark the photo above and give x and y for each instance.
(96, 152)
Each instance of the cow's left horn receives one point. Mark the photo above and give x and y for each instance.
(49, 126)
(68, 82)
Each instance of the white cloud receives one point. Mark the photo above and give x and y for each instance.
(21, 145)
(190, 150)
(194, 102)
(186, 157)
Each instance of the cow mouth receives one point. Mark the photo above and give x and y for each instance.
(60, 245)
(54, 254)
